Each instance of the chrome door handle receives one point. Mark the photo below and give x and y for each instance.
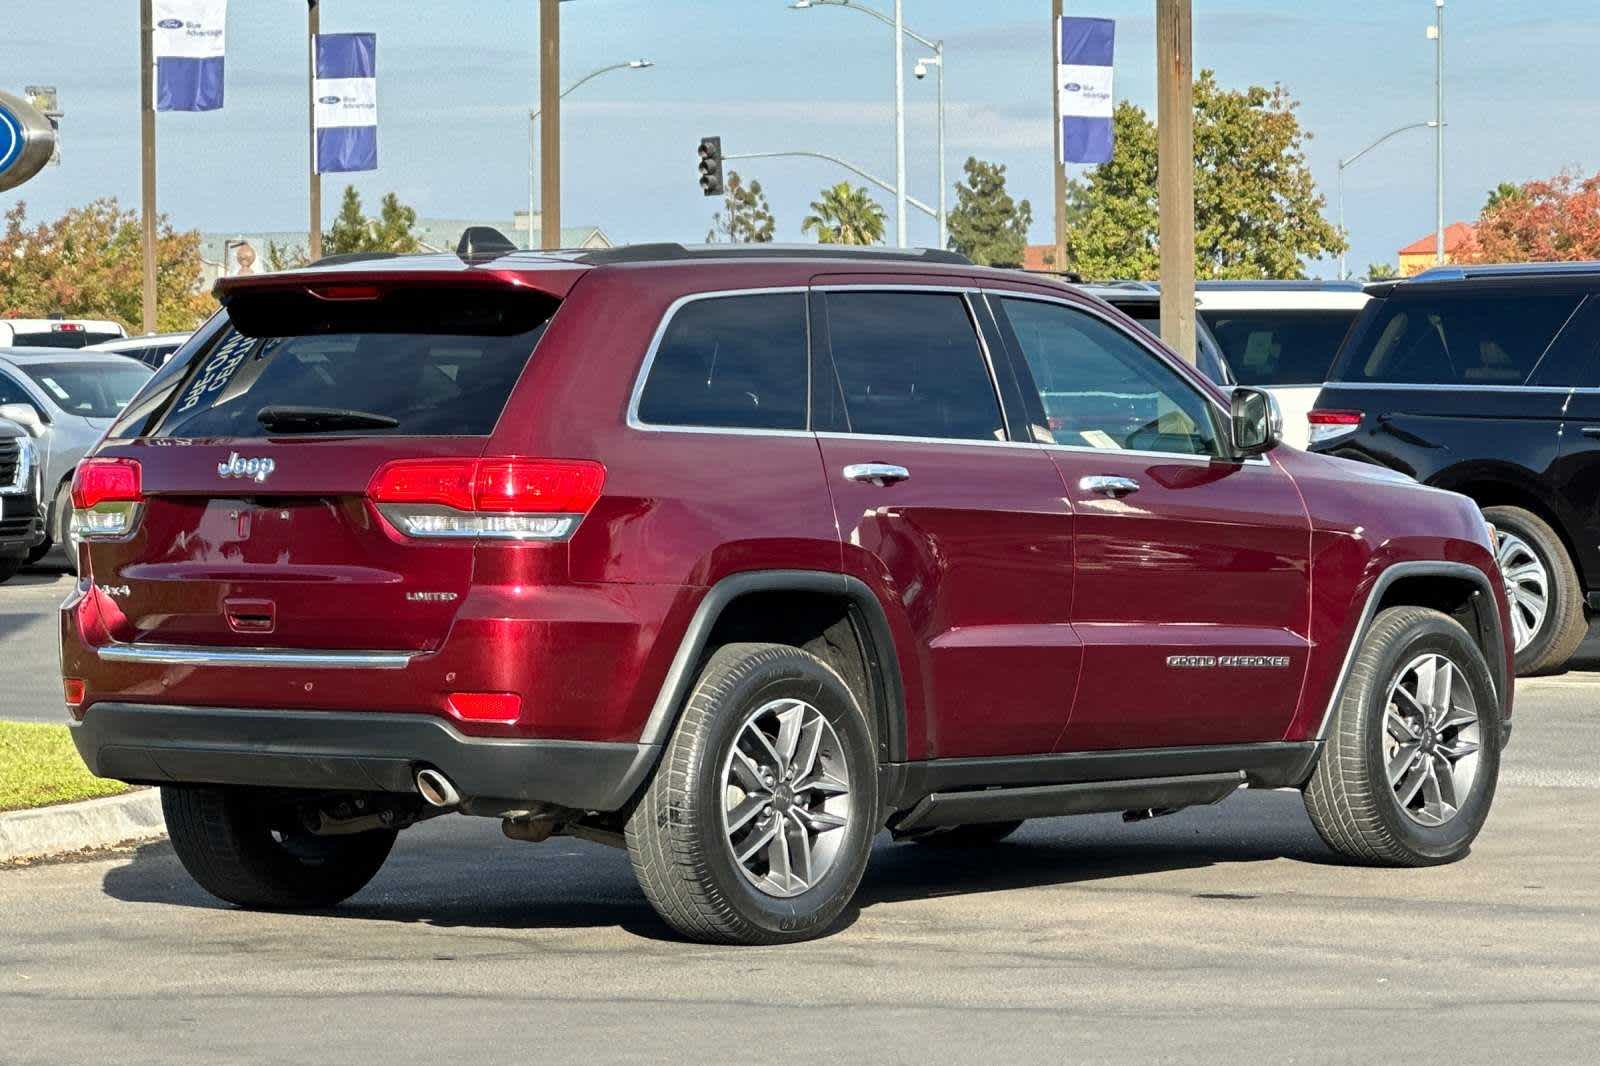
(1109, 485)
(876, 473)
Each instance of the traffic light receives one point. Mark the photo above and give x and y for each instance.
(711, 166)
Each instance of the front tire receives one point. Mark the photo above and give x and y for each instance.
(62, 530)
(1412, 754)
(757, 824)
(245, 850)
(1548, 620)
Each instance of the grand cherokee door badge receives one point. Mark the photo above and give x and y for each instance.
(1237, 662)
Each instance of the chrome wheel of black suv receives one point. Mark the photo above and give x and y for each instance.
(1412, 752)
(1548, 620)
(757, 824)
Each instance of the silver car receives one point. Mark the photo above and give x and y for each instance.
(65, 400)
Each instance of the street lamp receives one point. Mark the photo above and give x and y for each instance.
(1436, 35)
(935, 60)
(533, 126)
(1344, 165)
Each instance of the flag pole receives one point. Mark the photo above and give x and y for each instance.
(147, 143)
(313, 27)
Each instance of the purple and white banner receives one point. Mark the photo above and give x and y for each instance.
(1083, 87)
(190, 40)
(346, 95)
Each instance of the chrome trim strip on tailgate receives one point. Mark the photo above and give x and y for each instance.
(190, 655)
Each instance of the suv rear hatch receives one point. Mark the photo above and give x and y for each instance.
(252, 522)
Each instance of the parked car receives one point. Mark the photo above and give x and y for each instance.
(65, 400)
(57, 332)
(20, 526)
(1483, 380)
(1141, 302)
(152, 349)
(735, 557)
(1282, 336)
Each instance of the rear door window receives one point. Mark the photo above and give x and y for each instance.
(735, 362)
(1280, 347)
(432, 363)
(908, 364)
(1460, 338)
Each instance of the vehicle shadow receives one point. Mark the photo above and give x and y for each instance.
(460, 873)
(44, 573)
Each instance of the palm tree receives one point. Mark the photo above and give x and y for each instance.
(846, 214)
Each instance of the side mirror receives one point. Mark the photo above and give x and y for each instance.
(1256, 423)
(23, 415)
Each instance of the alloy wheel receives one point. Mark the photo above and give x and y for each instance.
(1527, 587)
(786, 797)
(1431, 739)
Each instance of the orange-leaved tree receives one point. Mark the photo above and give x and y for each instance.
(89, 264)
(1553, 220)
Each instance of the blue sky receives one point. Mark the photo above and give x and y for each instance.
(456, 78)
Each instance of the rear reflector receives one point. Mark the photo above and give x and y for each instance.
(106, 494)
(1328, 425)
(485, 706)
(72, 689)
(518, 499)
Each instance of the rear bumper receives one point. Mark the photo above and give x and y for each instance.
(354, 751)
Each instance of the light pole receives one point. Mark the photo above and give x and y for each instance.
(937, 60)
(1344, 164)
(533, 132)
(1436, 31)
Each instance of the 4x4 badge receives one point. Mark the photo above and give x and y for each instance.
(257, 470)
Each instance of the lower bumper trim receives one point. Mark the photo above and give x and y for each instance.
(351, 751)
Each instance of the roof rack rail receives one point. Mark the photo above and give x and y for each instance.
(667, 251)
(1065, 275)
(1455, 272)
(1282, 284)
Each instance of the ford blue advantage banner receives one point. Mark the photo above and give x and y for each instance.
(1083, 85)
(189, 38)
(346, 95)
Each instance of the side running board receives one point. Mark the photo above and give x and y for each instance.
(1048, 801)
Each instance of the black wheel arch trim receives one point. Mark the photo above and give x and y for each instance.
(882, 657)
(1421, 568)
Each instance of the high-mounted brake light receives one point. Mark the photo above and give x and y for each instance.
(513, 499)
(66, 327)
(106, 494)
(1328, 425)
(345, 292)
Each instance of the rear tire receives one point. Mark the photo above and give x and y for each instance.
(977, 835)
(759, 839)
(1409, 766)
(62, 530)
(1539, 573)
(244, 850)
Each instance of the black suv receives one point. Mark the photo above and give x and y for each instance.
(1486, 381)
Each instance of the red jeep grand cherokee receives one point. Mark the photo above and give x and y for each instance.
(735, 558)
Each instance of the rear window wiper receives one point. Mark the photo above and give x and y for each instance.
(282, 418)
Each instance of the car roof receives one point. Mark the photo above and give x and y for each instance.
(1499, 275)
(1251, 298)
(27, 356)
(148, 340)
(35, 324)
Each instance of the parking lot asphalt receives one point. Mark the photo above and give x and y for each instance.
(1222, 934)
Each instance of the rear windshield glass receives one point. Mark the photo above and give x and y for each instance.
(1280, 347)
(434, 363)
(93, 390)
(63, 339)
(1468, 338)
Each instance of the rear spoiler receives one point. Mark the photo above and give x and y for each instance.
(548, 277)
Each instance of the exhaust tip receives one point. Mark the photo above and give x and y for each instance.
(436, 789)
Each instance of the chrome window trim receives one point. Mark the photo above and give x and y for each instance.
(294, 658)
(1416, 387)
(900, 439)
(639, 381)
(1227, 415)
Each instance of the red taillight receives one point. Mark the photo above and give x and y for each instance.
(98, 481)
(485, 706)
(1326, 424)
(522, 499)
(66, 327)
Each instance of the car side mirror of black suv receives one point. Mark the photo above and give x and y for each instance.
(1256, 422)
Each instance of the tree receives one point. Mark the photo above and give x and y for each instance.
(1552, 220)
(1381, 272)
(1500, 193)
(89, 263)
(846, 214)
(987, 226)
(1257, 211)
(392, 231)
(285, 256)
(745, 217)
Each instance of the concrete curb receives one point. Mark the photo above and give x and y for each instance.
(96, 823)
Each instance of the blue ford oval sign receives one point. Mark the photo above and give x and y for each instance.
(171, 24)
(27, 140)
(327, 99)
